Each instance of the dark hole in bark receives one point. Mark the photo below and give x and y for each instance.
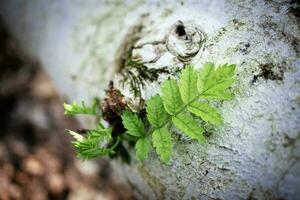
(180, 30)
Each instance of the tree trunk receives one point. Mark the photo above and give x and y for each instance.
(255, 154)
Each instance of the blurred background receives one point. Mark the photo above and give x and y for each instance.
(37, 160)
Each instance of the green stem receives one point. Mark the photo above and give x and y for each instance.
(115, 145)
(126, 137)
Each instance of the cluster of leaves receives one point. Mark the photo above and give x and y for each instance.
(94, 144)
(181, 103)
(178, 99)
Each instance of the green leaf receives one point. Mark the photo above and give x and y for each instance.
(100, 126)
(162, 141)
(133, 124)
(188, 84)
(88, 149)
(189, 126)
(93, 145)
(213, 83)
(206, 112)
(156, 113)
(226, 72)
(171, 97)
(74, 108)
(206, 77)
(142, 148)
(224, 77)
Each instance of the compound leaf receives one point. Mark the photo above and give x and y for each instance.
(133, 124)
(188, 84)
(162, 142)
(171, 97)
(156, 113)
(206, 77)
(225, 74)
(189, 126)
(214, 83)
(142, 148)
(206, 112)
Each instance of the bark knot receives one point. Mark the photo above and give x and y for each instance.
(185, 40)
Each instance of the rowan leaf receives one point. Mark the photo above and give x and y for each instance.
(206, 112)
(213, 83)
(226, 73)
(142, 148)
(188, 84)
(162, 142)
(156, 113)
(206, 77)
(133, 124)
(189, 126)
(171, 97)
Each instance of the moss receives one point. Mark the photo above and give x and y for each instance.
(136, 74)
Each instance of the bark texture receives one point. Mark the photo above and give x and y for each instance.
(255, 155)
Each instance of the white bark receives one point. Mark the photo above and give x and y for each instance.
(255, 154)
